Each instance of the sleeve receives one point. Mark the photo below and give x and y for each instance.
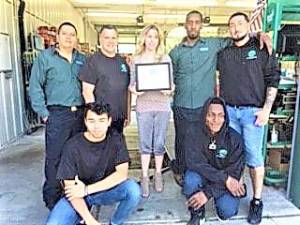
(36, 87)
(122, 155)
(219, 60)
(132, 73)
(67, 167)
(237, 159)
(168, 60)
(271, 71)
(88, 72)
(174, 59)
(198, 162)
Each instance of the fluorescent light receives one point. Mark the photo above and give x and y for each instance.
(134, 15)
(118, 2)
(164, 16)
(112, 14)
(241, 4)
(186, 2)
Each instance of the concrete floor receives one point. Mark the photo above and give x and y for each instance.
(21, 175)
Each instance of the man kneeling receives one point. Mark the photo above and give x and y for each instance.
(94, 169)
(214, 165)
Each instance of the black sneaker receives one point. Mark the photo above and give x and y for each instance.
(178, 179)
(197, 218)
(255, 212)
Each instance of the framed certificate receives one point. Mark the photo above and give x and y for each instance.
(153, 76)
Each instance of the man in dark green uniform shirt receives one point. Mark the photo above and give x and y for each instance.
(55, 93)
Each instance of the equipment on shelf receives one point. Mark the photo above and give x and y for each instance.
(289, 40)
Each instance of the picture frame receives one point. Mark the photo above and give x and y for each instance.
(153, 76)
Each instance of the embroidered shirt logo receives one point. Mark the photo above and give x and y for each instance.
(203, 49)
(222, 153)
(251, 54)
(123, 68)
(79, 62)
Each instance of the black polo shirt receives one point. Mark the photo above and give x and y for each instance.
(110, 75)
(92, 161)
(245, 74)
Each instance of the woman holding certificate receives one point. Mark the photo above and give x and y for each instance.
(151, 80)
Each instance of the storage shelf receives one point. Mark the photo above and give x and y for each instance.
(280, 144)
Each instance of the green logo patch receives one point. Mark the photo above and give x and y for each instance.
(123, 68)
(222, 153)
(251, 54)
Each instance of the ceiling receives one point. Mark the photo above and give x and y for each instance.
(166, 13)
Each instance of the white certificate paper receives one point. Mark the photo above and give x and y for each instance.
(153, 76)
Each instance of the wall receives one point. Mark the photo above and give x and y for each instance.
(53, 13)
(12, 114)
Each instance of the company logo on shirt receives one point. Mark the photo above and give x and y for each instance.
(203, 49)
(251, 54)
(79, 62)
(222, 153)
(123, 68)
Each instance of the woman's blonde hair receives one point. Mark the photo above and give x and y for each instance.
(141, 44)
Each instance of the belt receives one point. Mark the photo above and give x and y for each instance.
(63, 107)
(242, 106)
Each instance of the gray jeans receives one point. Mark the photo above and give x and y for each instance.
(152, 128)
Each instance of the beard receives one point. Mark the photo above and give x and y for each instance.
(239, 38)
(193, 36)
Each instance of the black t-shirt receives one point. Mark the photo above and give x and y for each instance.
(92, 161)
(110, 75)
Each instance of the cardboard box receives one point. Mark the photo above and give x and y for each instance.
(277, 159)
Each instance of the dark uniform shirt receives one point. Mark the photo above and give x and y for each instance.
(92, 161)
(110, 75)
(245, 74)
(194, 69)
(54, 81)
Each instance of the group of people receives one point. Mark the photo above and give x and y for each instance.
(84, 104)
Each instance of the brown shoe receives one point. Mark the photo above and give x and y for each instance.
(158, 182)
(145, 187)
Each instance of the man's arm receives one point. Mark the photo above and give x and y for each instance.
(120, 175)
(80, 190)
(174, 57)
(197, 161)
(76, 190)
(262, 116)
(271, 79)
(88, 92)
(236, 167)
(36, 88)
(80, 205)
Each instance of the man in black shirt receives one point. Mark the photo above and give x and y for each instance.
(105, 77)
(94, 169)
(249, 78)
(215, 165)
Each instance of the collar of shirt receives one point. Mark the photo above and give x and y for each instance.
(184, 44)
(251, 42)
(55, 52)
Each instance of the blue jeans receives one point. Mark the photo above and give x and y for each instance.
(242, 119)
(128, 194)
(62, 124)
(226, 205)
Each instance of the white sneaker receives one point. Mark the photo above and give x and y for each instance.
(221, 220)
